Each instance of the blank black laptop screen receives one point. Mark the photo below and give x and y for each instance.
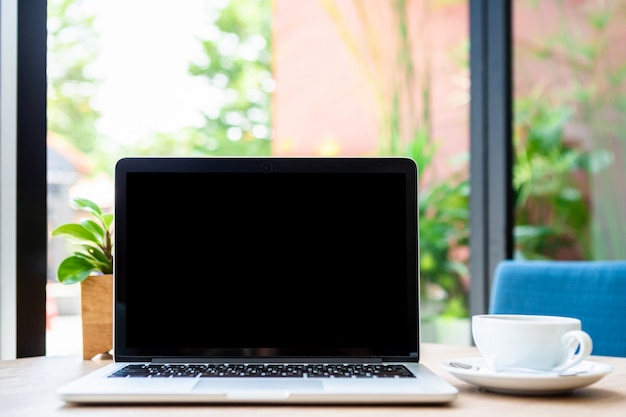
(236, 257)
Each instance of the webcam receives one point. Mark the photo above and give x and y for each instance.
(266, 167)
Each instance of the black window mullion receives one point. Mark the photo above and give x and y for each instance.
(491, 200)
(31, 217)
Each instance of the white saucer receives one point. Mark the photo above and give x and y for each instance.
(526, 383)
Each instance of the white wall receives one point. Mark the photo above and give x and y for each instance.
(8, 167)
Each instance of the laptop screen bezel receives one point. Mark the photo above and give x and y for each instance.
(270, 165)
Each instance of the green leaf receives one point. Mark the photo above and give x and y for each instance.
(108, 220)
(75, 269)
(96, 257)
(93, 249)
(97, 230)
(75, 232)
(88, 206)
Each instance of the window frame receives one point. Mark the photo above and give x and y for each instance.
(31, 179)
(491, 145)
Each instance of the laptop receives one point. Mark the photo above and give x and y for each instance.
(265, 280)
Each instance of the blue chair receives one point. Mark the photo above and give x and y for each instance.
(592, 291)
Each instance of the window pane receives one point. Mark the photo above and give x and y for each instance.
(262, 77)
(570, 140)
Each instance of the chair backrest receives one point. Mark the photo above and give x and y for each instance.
(592, 291)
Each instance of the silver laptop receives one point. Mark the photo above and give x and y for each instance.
(265, 280)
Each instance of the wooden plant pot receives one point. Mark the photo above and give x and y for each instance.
(96, 301)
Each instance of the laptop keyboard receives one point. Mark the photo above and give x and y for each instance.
(262, 370)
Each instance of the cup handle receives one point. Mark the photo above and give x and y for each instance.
(581, 345)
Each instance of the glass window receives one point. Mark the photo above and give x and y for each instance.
(262, 77)
(570, 129)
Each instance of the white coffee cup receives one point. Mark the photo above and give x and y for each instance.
(544, 343)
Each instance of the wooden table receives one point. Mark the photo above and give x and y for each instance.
(27, 388)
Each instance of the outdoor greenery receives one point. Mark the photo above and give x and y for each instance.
(244, 71)
(551, 180)
(444, 245)
(583, 91)
(72, 47)
(556, 178)
(237, 65)
(401, 87)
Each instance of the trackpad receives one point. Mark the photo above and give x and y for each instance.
(227, 384)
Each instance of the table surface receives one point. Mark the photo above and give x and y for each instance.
(27, 387)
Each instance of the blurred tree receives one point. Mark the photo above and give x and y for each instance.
(72, 47)
(238, 63)
(237, 66)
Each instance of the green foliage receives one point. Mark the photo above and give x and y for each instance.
(551, 211)
(72, 47)
(93, 244)
(238, 62)
(422, 150)
(579, 45)
(444, 234)
(194, 142)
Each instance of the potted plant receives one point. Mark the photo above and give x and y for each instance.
(91, 266)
